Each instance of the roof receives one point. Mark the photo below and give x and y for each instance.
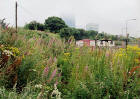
(87, 40)
(106, 40)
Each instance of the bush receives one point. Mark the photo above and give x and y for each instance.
(35, 26)
(78, 34)
(68, 32)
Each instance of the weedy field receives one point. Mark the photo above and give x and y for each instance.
(36, 65)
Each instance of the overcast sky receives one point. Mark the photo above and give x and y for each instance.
(109, 14)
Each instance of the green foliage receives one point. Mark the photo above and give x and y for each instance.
(83, 34)
(86, 73)
(34, 26)
(81, 92)
(91, 34)
(57, 25)
(54, 24)
(78, 34)
(68, 32)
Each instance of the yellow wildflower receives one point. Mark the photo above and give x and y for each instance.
(138, 53)
(137, 61)
(67, 54)
(134, 48)
(77, 48)
(14, 50)
(23, 56)
(65, 59)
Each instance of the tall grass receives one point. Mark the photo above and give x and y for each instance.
(53, 68)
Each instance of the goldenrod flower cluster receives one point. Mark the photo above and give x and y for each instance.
(10, 51)
(133, 48)
(67, 54)
(123, 53)
(120, 53)
(14, 50)
(136, 50)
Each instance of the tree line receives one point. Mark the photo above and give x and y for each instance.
(57, 25)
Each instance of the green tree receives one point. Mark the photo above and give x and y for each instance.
(54, 24)
(77, 33)
(101, 36)
(68, 32)
(33, 25)
(91, 34)
(83, 34)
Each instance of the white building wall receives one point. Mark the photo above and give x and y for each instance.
(92, 43)
(80, 43)
(111, 44)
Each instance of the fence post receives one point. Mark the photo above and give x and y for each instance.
(123, 44)
(139, 43)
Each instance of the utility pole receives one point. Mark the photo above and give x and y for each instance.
(16, 15)
(122, 30)
(126, 36)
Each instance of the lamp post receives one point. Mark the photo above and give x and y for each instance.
(122, 30)
(127, 35)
